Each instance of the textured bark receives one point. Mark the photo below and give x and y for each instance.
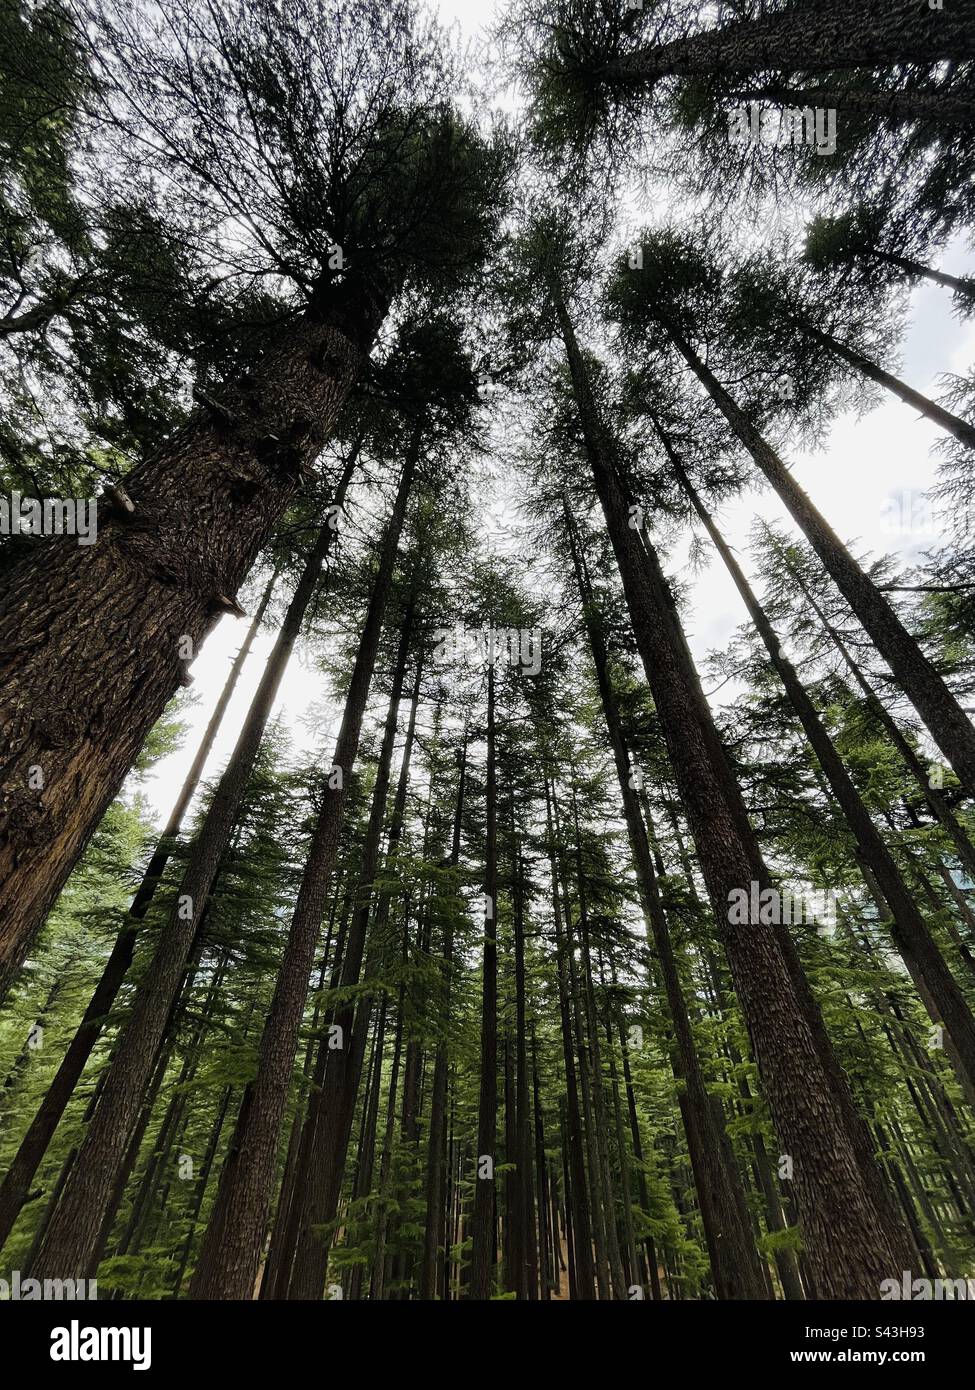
(93, 638)
(482, 1221)
(851, 1235)
(330, 1116)
(921, 683)
(34, 1144)
(524, 1208)
(731, 1249)
(73, 1231)
(809, 36)
(231, 1249)
(435, 1230)
(578, 1216)
(908, 927)
(942, 106)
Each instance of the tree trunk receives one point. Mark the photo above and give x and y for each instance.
(95, 638)
(851, 1234)
(939, 807)
(734, 1259)
(933, 103)
(953, 424)
(908, 927)
(72, 1234)
(435, 1233)
(482, 1223)
(329, 1121)
(919, 680)
(34, 1144)
(807, 36)
(576, 1199)
(231, 1249)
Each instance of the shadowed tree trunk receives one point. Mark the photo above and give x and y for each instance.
(921, 683)
(944, 419)
(435, 1229)
(231, 1249)
(329, 1122)
(734, 1259)
(34, 1144)
(482, 1221)
(95, 639)
(807, 36)
(71, 1233)
(908, 927)
(849, 1227)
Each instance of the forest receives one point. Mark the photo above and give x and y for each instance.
(472, 826)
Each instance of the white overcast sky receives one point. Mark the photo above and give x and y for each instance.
(862, 479)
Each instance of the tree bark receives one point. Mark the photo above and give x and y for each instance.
(953, 424)
(231, 1249)
(924, 687)
(34, 1144)
(94, 639)
(731, 1249)
(482, 1222)
(851, 1234)
(807, 36)
(73, 1231)
(908, 927)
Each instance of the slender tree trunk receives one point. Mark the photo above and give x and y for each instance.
(908, 927)
(924, 687)
(73, 1231)
(576, 1199)
(434, 1232)
(329, 1124)
(231, 1249)
(482, 1223)
(734, 1259)
(953, 424)
(34, 1144)
(851, 1233)
(939, 807)
(94, 639)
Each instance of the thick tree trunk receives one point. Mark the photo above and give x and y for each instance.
(734, 1259)
(94, 639)
(908, 927)
(808, 36)
(921, 683)
(482, 1222)
(850, 1232)
(34, 1144)
(72, 1234)
(231, 1249)
(903, 105)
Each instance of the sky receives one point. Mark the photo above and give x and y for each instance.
(868, 479)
